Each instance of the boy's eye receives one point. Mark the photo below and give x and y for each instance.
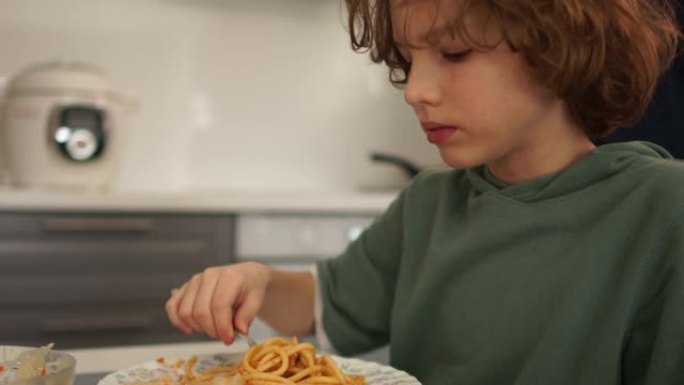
(456, 56)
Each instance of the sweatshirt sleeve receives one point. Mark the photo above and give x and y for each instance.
(357, 288)
(654, 354)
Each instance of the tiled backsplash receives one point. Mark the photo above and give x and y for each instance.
(232, 93)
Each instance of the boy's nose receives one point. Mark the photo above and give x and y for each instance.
(422, 86)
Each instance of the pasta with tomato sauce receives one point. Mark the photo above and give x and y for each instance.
(277, 361)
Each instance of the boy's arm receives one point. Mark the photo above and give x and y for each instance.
(289, 303)
(654, 354)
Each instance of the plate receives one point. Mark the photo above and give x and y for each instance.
(375, 374)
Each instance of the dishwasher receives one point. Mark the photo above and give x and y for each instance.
(295, 242)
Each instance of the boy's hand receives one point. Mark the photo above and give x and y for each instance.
(220, 298)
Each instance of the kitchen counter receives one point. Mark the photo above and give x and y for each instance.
(207, 202)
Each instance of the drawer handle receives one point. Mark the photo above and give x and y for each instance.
(99, 224)
(88, 324)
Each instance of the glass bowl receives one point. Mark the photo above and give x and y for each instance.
(60, 367)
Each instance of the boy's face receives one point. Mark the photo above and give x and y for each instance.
(477, 106)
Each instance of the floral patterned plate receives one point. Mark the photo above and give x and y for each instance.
(375, 374)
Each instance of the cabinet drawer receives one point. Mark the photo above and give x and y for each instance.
(76, 258)
(89, 325)
(46, 289)
(106, 254)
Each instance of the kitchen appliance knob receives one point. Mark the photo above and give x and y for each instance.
(79, 132)
(81, 145)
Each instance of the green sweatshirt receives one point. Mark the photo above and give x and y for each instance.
(572, 278)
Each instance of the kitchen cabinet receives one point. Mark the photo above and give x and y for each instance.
(83, 279)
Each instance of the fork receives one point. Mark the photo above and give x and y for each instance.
(245, 337)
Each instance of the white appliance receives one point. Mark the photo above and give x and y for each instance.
(62, 127)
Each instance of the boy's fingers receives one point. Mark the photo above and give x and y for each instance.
(185, 309)
(172, 311)
(201, 311)
(222, 308)
(247, 311)
(224, 326)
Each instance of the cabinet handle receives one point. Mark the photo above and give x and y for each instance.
(98, 224)
(100, 323)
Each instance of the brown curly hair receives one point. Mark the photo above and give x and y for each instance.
(602, 57)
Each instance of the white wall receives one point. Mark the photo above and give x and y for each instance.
(233, 93)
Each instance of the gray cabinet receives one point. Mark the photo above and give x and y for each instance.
(84, 279)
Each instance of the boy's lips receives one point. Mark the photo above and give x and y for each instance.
(437, 132)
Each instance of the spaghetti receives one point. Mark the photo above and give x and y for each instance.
(279, 361)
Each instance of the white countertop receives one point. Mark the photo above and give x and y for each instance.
(207, 202)
(109, 359)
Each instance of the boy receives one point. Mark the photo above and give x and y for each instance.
(539, 259)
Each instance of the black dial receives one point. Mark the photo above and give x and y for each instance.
(80, 133)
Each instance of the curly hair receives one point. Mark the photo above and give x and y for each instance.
(603, 58)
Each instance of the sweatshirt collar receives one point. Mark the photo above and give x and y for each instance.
(600, 164)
